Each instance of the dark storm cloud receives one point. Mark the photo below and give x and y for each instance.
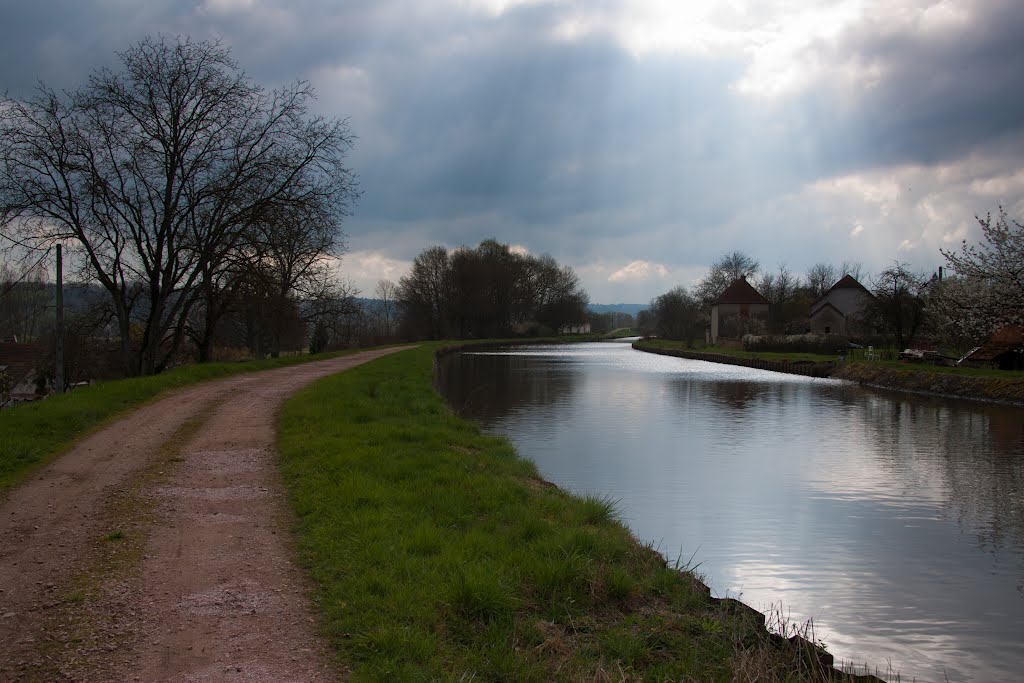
(472, 124)
(941, 94)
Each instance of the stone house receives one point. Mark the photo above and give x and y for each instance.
(738, 308)
(840, 309)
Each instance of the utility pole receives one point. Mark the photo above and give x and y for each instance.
(59, 361)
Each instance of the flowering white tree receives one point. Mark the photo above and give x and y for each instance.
(994, 269)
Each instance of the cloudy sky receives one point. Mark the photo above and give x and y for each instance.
(635, 140)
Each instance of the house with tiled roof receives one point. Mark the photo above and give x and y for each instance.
(736, 310)
(840, 310)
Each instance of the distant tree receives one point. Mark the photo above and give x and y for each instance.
(852, 268)
(677, 315)
(899, 302)
(486, 291)
(601, 323)
(645, 322)
(387, 314)
(425, 295)
(995, 269)
(778, 288)
(25, 296)
(723, 272)
(820, 277)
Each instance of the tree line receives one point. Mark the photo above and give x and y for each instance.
(980, 291)
(487, 291)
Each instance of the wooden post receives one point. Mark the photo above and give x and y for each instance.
(59, 360)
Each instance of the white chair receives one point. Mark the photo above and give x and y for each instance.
(871, 353)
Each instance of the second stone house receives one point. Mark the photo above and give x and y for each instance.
(840, 310)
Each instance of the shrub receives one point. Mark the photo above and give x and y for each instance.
(796, 343)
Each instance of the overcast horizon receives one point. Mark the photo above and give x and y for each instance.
(634, 141)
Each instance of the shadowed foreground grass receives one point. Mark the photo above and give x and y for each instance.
(439, 554)
(32, 434)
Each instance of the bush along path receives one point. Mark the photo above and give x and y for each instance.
(439, 554)
(158, 547)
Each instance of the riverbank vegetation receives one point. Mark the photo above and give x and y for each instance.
(973, 308)
(32, 434)
(439, 554)
(850, 356)
(972, 383)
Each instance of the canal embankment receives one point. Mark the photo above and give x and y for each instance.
(1008, 389)
(918, 379)
(808, 368)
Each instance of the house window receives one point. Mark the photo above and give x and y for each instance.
(828, 330)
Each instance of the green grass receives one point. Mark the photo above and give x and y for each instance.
(621, 332)
(32, 434)
(438, 553)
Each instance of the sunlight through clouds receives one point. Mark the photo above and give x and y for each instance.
(636, 140)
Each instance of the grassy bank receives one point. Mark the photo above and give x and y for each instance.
(987, 385)
(673, 345)
(32, 434)
(439, 554)
(971, 383)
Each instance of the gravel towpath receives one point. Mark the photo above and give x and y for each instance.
(159, 548)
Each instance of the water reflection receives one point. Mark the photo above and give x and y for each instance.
(896, 523)
(490, 386)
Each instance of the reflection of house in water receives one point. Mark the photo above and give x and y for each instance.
(1003, 350)
(840, 309)
(734, 394)
(737, 311)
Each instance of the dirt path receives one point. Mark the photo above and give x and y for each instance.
(158, 549)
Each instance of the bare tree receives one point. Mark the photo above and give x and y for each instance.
(156, 171)
(852, 268)
(820, 277)
(25, 297)
(898, 305)
(386, 292)
(723, 273)
(778, 288)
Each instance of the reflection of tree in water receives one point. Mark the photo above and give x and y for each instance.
(734, 395)
(976, 449)
(486, 387)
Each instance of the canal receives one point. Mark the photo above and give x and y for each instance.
(894, 522)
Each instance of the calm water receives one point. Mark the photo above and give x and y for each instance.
(895, 522)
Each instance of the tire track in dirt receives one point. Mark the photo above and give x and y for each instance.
(198, 581)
